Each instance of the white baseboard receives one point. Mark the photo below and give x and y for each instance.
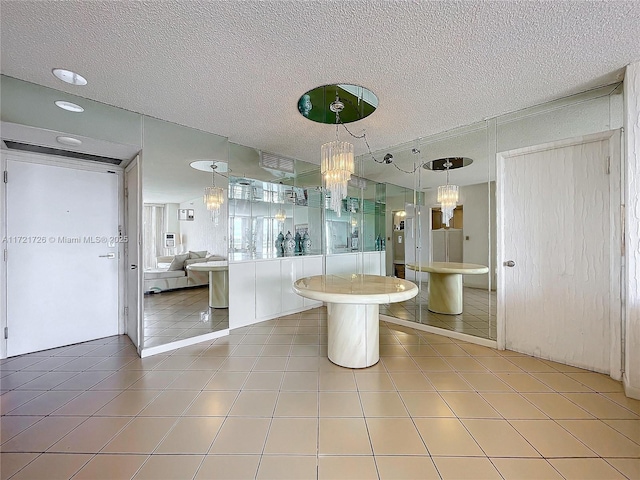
(246, 323)
(167, 347)
(441, 331)
(629, 391)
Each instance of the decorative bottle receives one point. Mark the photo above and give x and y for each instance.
(289, 244)
(279, 245)
(306, 243)
(298, 240)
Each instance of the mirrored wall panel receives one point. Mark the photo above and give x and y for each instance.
(447, 249)
(185, 218)
(275, 206)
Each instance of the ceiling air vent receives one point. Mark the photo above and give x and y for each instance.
(60, 153)
(283, 166)
(357, 182)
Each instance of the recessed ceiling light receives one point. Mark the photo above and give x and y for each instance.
(69, 77)
(68, 106)
(74, 142)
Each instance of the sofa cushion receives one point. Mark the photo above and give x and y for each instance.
(178, 262)
(190, 261)
(199, 254)
(160, 273)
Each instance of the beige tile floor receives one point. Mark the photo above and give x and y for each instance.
(175, 315)
(266, 403)
(478, 317)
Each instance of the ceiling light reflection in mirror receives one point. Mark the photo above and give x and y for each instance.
(69, 106)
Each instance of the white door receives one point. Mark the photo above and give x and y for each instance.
(417, 241)
(555, 215)
(62, 249)
(132, 252)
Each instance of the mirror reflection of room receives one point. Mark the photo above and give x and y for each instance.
(422, 242)
(185, 278)
(274, 206)
(420, 236)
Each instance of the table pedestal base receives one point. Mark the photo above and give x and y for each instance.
(445, 293)
(353, 334)
(219, 288)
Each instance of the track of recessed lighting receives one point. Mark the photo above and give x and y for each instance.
(69, 77)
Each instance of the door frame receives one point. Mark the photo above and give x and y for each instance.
(616, 290)
(63, 162)
(134, 241)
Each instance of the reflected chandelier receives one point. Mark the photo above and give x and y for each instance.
(337, 163)
(447, 196)
(213, 196)
(281, 215)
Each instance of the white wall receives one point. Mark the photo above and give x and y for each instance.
(172, 225)
(477, 220)
(590, 112)
(202, 233)
(632, 201)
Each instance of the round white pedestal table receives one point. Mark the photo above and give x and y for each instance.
(445, 284)
(218, 281)
(353, 307)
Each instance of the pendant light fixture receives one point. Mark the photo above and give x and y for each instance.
(213, 196)
(281, 215)
(447, 196)
(337, 163)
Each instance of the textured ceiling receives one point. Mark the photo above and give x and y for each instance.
(237, 68)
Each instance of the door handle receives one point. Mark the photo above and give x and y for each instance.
(108, 255)
(509, 263)
(133, 267)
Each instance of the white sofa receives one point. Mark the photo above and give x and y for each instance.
(171, 272)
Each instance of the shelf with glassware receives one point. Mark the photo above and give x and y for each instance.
(355, 238)
(360, 227)
(272, 220)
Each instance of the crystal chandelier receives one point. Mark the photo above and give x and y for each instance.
(213, 196)
(337, 164)
(447, 197)
(281, 215)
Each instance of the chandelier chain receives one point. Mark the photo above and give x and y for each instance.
(364, 137)
(366, 142)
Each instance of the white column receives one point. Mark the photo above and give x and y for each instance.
(353, 334)
(631, 377)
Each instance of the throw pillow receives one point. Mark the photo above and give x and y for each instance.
(178, 262)
(200, 254)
